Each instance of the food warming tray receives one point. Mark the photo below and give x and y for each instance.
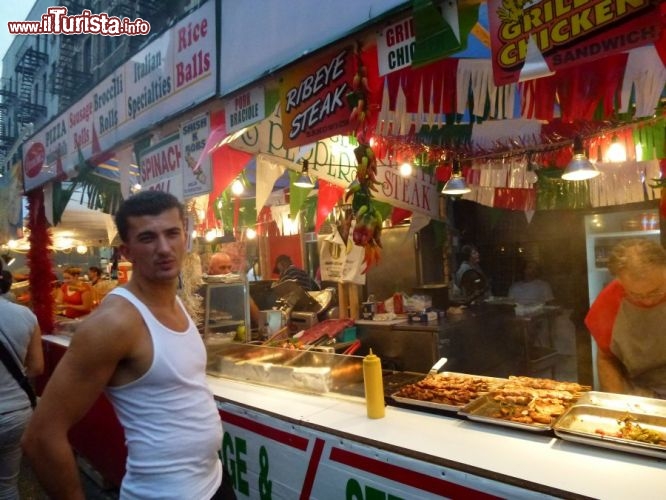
(595, 424)
(485, 408)
(494, 382)
(623, 402)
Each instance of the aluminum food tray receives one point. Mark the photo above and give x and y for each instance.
(623, 402)
(482, 410)
(495, 382)
(582, 421)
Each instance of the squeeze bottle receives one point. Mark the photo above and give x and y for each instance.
(374, 386)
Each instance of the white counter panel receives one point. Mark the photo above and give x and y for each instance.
(528, 456)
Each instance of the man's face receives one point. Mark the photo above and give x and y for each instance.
(155, 245)
(646, 291)
(219, 264)
(474, 257)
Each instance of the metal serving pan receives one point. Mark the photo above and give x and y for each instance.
(485, 409)
(622, 402)
(494, 383)
(595, 425)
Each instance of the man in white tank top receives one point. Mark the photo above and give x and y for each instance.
(142, 349)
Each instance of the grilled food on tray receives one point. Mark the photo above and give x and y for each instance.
(545, 383)
(534, 400)
(629, 429)
(449, 389)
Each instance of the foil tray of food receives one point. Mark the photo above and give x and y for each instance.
(532, 404)
(446, 391)
(616, 428)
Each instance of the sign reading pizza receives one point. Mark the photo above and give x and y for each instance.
(562, 33)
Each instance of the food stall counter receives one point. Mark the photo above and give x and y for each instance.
(298, 442)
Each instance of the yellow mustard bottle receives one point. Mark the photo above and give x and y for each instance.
(373, 385)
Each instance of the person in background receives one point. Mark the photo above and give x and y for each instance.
(531, 289)
(220, 264)
(142, 349)
(470, 278)
(100, 287)
(8, 279)
(21, 336)
(75, 297)
(627, 321)
(94, 275)
(286, 269)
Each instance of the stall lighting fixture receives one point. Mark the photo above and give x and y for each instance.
(456, 185)
(8, 259)
(406, 169)
(579, 168)
(616, 153)
(237, 187)
(304, 180)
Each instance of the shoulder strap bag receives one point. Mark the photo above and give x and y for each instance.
(13, 368)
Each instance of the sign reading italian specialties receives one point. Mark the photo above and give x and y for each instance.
(172, 73)
(565, 33)
(313, 102)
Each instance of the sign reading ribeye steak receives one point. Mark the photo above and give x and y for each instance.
(34, 159)
(314, 98)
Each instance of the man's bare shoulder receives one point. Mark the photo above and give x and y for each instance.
(114, 319)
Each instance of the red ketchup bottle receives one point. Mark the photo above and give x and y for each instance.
(398, 307)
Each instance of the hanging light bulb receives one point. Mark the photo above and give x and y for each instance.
(406, 169)
(304, 180)
(211, 234)
(616, 153)
(81, 249)
(237, 187)
(250, 233)
(456, 185)
(579, 168)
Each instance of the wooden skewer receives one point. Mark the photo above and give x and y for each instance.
(276, 335)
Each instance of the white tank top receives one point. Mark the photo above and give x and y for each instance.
(172, 426)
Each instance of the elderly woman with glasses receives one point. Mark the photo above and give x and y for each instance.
(628, 318)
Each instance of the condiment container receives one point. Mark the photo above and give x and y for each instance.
(398, 306)
(374, 385)
(241, 332)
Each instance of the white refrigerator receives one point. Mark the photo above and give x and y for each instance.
(604, 230)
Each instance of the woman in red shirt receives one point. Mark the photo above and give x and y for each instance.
(74, 298)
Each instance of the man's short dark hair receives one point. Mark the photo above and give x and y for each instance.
(95, 269)
(6, 281)
(466, 251)
(145, 203)
(281, 259)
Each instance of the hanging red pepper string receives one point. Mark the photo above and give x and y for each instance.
(39, 259)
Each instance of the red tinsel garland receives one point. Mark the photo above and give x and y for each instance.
(39, 261)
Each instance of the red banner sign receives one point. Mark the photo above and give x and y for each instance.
(313, 100)
(565, 33)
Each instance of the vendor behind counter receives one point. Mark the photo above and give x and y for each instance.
(75, 297)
